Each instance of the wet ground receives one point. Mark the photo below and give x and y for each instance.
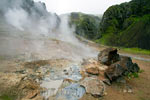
(56, 85)
(60, 63)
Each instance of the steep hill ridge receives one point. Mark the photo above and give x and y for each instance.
(127, 25)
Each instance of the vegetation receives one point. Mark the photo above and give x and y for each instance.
(6, 97)
(127, 25)
(136, 51)
(134, 75)
(86, 25)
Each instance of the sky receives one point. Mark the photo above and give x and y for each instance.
(85, 6)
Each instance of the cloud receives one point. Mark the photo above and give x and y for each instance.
(86, 6)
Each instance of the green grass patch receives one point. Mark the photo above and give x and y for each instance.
(136, 51)
(134, 75)
(6, 97)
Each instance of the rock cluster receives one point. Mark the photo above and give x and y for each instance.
(93, 77)
(19, 84)
(25, 83)
(121, 68)
(109, 67)
(37, 78)
(117, 65)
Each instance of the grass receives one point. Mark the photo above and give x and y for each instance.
(133, 75)
(6, 97)
(128, 50)
(136, 51)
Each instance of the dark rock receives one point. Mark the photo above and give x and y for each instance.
(21, 71)
(104, 79)
(108, 56)
(121, 80)
(126, 63)
(107, 82)
(114, 71)
(121, 68)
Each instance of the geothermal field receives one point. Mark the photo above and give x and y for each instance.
(43, 57)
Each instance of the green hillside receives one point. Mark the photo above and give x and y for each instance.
(127, 25)
(86, 25)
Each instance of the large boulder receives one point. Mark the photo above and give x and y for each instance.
(121, 68)
(108, 56)
(93, 86)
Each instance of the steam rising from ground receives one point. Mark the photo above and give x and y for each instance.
(35, 33)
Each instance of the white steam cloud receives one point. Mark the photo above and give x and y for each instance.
(38, 33)
(17, 18)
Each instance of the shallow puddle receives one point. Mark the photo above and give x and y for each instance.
(71, 92)
(55, 84)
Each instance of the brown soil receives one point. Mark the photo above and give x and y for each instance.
(140, 86)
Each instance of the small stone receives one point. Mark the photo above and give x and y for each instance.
(106, 81)
(64, 70)
(130, 91)
(32, 95)
(67, 73)
(105, 93)
(37, 80)
(93, 71)
(125, 91)
(121, 80)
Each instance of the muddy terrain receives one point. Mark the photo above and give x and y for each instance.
(58, 73)
(42, 68)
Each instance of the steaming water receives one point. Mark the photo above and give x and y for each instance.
(56, 86)
(52, 87)
(72, 92)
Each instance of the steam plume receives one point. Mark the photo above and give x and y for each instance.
(29, 26)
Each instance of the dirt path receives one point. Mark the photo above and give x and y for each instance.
(138, 57)
(140, 86)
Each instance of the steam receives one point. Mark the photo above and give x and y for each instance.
(39, 34)
(21, 20)
(15, 20)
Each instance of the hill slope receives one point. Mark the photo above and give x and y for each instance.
(86, 25)
(127, 25)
